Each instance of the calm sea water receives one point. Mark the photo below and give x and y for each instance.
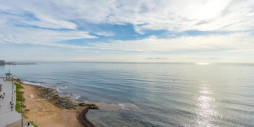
(152, 95)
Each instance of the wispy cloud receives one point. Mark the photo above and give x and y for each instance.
(47, 22)
(38, 36)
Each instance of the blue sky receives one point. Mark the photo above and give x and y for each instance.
(127, 31)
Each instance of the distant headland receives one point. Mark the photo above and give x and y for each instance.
(3, 62)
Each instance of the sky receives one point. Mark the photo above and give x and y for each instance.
(213, 31)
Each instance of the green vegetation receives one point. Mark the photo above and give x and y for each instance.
(0, 87)
(8, 75)
(18, 97)
(33, 124)
(18, 101)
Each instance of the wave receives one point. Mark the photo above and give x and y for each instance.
(122, 106)
(112, 107)
(77, 97)
(32, 83)
(62, 86)
(58, 90)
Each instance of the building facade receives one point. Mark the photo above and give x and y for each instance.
(2, 62)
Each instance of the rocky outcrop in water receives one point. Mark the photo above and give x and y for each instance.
(53, 97)
(62, 102)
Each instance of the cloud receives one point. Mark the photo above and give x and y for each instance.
(105, 33)
(47, 22)
(237, 47)
(23, 35)
(172, 15)
(55, 23)
(234, 41)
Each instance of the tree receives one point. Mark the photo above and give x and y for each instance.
(8, 75)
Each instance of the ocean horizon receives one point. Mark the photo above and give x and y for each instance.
(151, 94)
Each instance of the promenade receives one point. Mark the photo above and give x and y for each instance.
(8, 117)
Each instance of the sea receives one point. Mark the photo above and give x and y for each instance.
(151, 94)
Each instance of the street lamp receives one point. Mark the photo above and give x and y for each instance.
(12, 94)
(21, 109)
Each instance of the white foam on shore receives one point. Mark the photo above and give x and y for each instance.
(32, 83)
(77, 97)
(58, 90)
(104, 106)
(114, 106)
(122, 106)
(61, 87)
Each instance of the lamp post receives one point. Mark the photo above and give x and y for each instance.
(21, 109)
(12, 86)
(12, 93)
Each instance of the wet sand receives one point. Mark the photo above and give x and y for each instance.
(45, 114)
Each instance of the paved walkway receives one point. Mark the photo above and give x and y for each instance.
(6, 115)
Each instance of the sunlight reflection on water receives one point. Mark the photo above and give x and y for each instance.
(205, 106)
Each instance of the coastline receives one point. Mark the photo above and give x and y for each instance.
(44, 107)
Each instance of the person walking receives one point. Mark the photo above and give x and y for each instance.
(11, 107)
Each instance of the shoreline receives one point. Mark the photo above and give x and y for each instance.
(44, 107)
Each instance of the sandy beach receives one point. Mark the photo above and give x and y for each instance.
(45, 114)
